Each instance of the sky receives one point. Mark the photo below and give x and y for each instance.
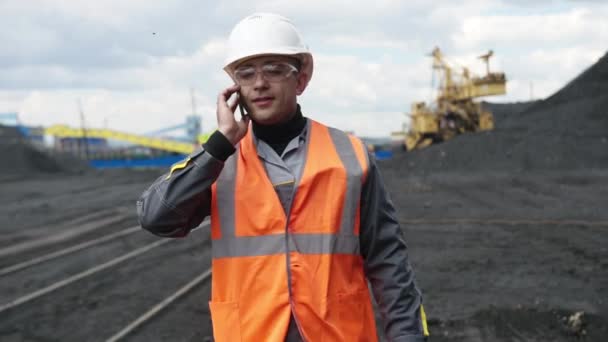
(133, 64)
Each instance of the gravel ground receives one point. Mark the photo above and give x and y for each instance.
(512, 272)
(517, 266)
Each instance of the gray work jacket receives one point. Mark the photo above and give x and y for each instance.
(179, 201)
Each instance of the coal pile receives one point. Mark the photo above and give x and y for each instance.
(20, 158)
(505, 113)
(566, 131)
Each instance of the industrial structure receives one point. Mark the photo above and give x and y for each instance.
(454, 111)
(155, 148)
(183, 145)
(107, 148)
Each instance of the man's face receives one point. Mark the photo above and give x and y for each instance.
(271, 101)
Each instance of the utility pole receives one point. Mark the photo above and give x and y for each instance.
(194, 108)
(194, 122)
(531, 91)
(84, 130)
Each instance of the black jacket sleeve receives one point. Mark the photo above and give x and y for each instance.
(386, 262)
(179, 200)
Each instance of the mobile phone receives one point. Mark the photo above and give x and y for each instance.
(242, 106)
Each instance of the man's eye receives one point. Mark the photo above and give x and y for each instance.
(245, 74)
(274, 69)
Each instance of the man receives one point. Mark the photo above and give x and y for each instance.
(300, 219)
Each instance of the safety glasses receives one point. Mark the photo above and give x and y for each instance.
(271, 72)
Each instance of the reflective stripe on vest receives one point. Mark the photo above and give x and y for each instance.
(268, 264)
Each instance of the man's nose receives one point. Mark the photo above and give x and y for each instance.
(260, 81)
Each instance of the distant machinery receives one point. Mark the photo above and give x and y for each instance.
(183, 145)
(192, 128)
(157, 140)
(454, 111)
(94, 144)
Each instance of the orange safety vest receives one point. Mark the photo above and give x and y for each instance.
(267, 264)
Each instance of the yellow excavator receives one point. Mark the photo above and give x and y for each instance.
(454, 112)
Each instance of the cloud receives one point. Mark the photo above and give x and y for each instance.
(365, 41)
(107, 34)
(575, 27)
(137, 112)
(177, 70)
(538, 46)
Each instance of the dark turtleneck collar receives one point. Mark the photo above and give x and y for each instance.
(279, 135)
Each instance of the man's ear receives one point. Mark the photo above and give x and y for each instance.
(301, 83)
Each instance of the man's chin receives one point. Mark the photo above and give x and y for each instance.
(265, 117)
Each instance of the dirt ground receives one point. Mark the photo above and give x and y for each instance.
(502, 258)
(507, 232)
(499, 257)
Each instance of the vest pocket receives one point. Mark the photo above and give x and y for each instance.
(354, 317)
(226, 321)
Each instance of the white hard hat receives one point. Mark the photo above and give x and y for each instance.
(266, 34)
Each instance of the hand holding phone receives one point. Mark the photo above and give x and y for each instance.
(232, 129)
(242, 106)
